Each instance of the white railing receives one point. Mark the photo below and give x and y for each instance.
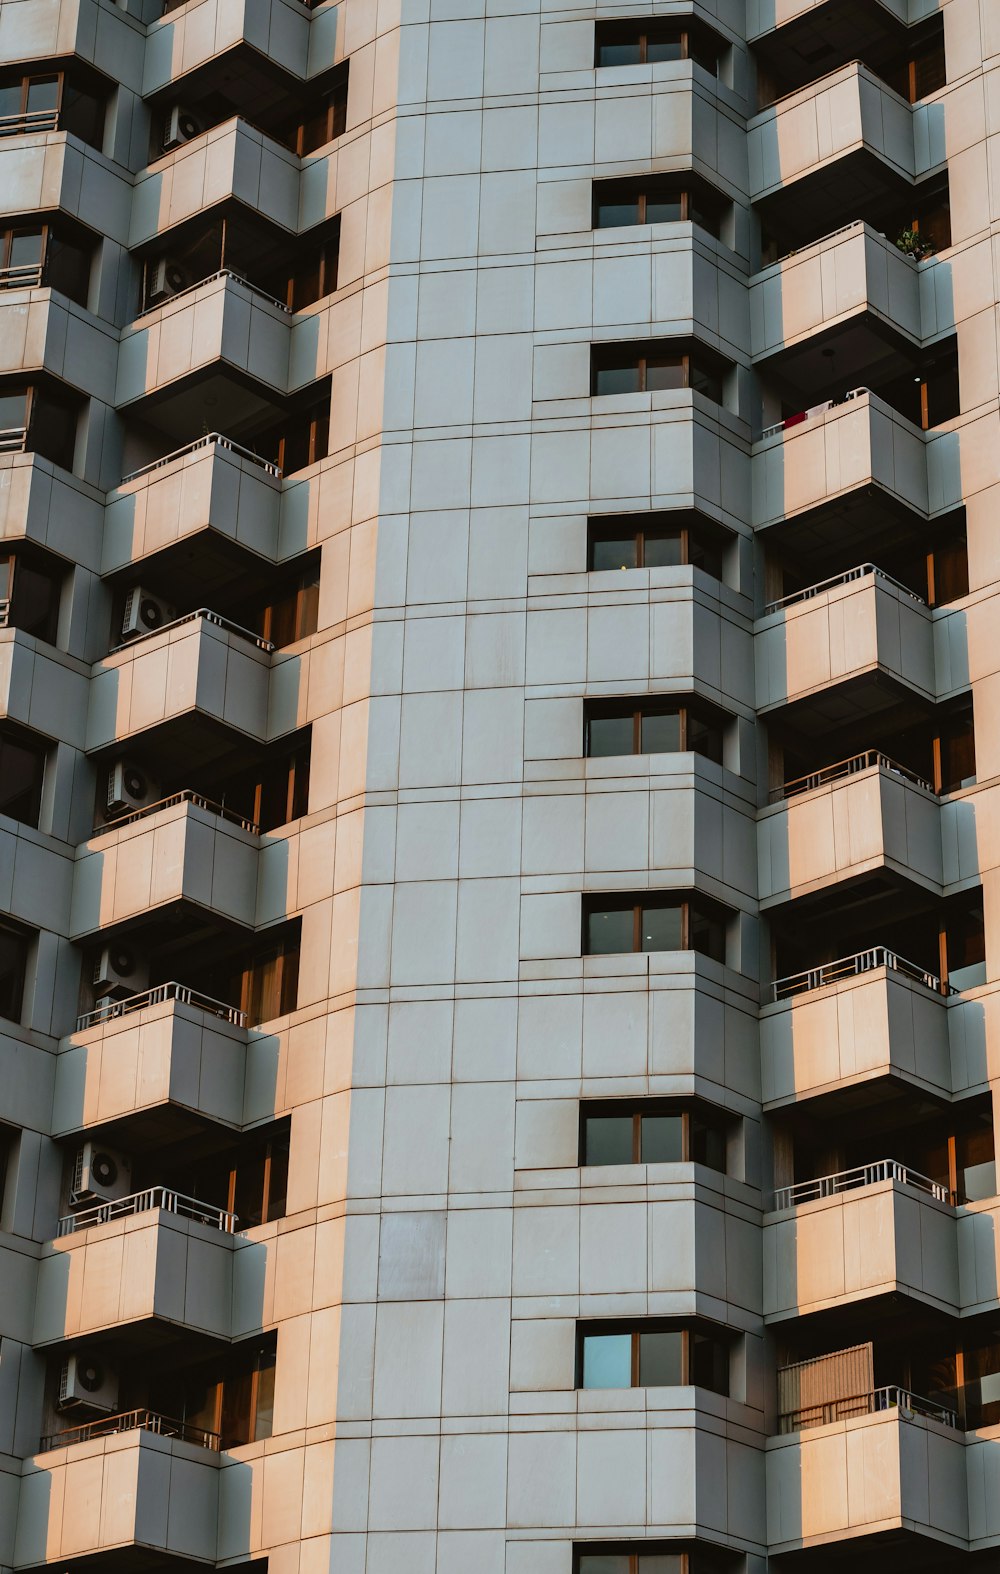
(902, 1400)
(852, 1180)
(821, 240)
(187, 795)
(21, 276)
(859, 571)
(153, 1199)
(133, 1421)
(223, 273)
(13, 439)
(844, 768)
(850, 966)
(200, 612)
(110, 1010)
(811, 413)
(31, 120)
(214, 438)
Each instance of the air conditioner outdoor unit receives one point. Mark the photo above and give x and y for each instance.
(182, 124)
(129, 788)
(87, 1382)
(120, 969)
(101, 1174)
(144, 614)
(166, 278)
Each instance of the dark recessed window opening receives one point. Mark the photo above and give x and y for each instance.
(670, 540)
(617, 727)
(645, 1557)
(291, 610)
(54, 101)
(260, 979)
(658, 199)
(39, 421)
(272, 792)
(928, 395)
(297, 272)
(614, 925)
(300, 437)
(654, 1353)
(247, 1175)
(14, 946)
(652, 1131)
(22, 771)
(320, 120)
(654, 367)
(38, 254)
(231, 1394)
(652, 40)
(29, 594)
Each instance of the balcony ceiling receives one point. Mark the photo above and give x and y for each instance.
(858, 186)
(859, 352)
(848, 705)
(827, 37)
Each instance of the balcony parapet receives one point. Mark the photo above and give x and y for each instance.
(105, 36)
(74, 178)
(845, 967)
(877, 1402)
(153, 1199)
(232, 161)
(187, 38)
(140, 1420)
(854, 1179)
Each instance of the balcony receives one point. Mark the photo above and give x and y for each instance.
(222, 323)
(199, 668)
(232, 162)
(42, 688)
(860, 622)
(56, 171)
(168, 1052)
(877, 1230)
(183, 41)
(767, 16)
(849, 114)
(862, 814)
(112, 41)
(41, 331)
(184, 849)
(152, 1258)
(138, 1483)
(890, 1469)
(41, 504)
(872, 1016)
(841, 466)
(212, 485)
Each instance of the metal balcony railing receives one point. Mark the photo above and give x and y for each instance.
(223, 273)
(13, 439)
(31, 120)
(844, 768)
(187, 795)
(153, 1199)
(109, 1010)
(850, 966)
(133, 1421)
(811, 413)
(854, 1179)
(860, 571)
(907, 1405)
(22, 276)
(189, 617)
(210, 438)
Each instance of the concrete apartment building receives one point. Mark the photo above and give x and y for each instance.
(499, 745)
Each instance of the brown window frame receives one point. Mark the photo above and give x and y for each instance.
(695, 540)
(652, 1108)
(682, 709)
(688, 1563)
(649, 902)
(619, 356)
(643, 189)
(643, 30)
(636, 1327)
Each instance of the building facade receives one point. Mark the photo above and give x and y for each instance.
(499, 683)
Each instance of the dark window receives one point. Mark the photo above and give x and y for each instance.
(314, 276)
(49, 101)
(613, 727)
(272, 792)
(654, 1353)
(29, 596)
(657, 200)
(929, 395)
(653, 368)
(249, 1177)
(320, 122)
(645, 1557)
(921, 71)
(38, 421)
(22, 768)
(651, 1131)
(965, 944)
(613, 924)
(648, 41)
(292, 613)
(233, 1394)
(13, 966)
(299, 439)
(655, 541)
(955, 751)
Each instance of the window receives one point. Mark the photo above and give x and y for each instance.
(232, 1395)
(651, 1131)
(274, 792)
(965, 949)
(655, 541)
(954, 751)
(29, 596)
(654, 368)
(658, 200)
(22, 767)
(614, 925)
(49, 101)
(13, 967)
(655, 1353)
(649, 41)
(320, 122)
(922, 70)
(299, 439)
(646, 1557)
(929, 395)
(314, 275)
(249, 1177)
(615, 727)
(293, 612)
(38, 421)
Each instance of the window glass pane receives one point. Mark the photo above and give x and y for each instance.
(609, 931)
(25, 248)
(662, 1139)
(604, 1563)
(704, 738)
(709, 1364)
(664, 372)
(663, 210)
(43, 93)
(661, 928)
(264, 1409)
(706, 382)
(612, 552)
(708, 935)
(618, 380)
(663, 549)
(626, 53)
(10, 99)
(661, 1359)
(13, 410)
(20, 781)
(249, 1195)
(708, 1144)
(13, 958)
(607, 1139)
(661, 1563)
(661, 733)
(277, 1185)
(976, 1168)
(611, 215)
(237, 1396)
(610, 735)
(6, 571)
(664, 49)
(607, 1361)
(36, 603)
(929, 69)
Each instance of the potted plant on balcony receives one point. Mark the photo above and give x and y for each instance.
(914, 244)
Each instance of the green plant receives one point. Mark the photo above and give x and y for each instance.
(914, 244)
